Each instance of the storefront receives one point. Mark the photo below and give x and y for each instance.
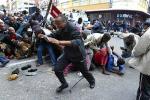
(130, 15)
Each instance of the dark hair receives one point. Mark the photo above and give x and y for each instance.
(107, 36)
(38, 30)
(37, 10)
(63, 17)
(120, 61)
(80, 20)
(134, 30)
(131, 37)
(4, 10)
(24, 12)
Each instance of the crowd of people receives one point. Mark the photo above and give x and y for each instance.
(71, 46)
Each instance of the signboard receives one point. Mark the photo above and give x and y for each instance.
(141, 5)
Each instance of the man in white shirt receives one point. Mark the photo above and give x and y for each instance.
(141, 61)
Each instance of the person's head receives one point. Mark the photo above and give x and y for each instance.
(12, 19)
(94, 21)
(11, 30)
(60, 21)
(80, 20)
(105, 38)
(37, 31)
(120, 61)
(130, 39)
(1, 24)
(4, 12)
(24, 12)
(37, 11)
(20, 18)
(146, 25)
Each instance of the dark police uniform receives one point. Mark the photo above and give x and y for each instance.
(75, 53)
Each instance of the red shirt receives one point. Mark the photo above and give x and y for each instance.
(13, 37)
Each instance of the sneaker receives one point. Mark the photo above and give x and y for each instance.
(105, 73)
(92, 85)
(62, 87)
(6, 62)
(26, 67)
(32, 70)
(16, 71)
(38, 65)
(79, 74)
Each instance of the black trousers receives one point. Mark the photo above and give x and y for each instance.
(143, 92)
(63, 62)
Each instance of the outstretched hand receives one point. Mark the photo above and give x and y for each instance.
(53, 40)
(40, 35)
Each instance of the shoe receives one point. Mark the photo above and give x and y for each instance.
(16, 71)
(62, 87)
(38, 65)
(79, 74)
(121, 73)
(26, 67)
(131, 67)
(4, 64)
(92, 85)
(106, 73)
(32, 70)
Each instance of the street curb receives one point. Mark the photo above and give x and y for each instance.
(20, 62)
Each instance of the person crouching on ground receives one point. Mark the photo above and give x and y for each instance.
(3, 59)
(99, 43)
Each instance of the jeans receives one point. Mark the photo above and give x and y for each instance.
(3, 59)
(122, 68)
(50, 50)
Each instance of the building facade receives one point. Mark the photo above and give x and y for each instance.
(85, 5)
(19, 5)
(131, 10)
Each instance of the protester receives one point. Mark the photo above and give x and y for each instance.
(13, 23)
(99, 43)
(3, 59)
(97, 27)
(36, 16)
(2, 30)
(74, 51)
(43, 44)
(130, 40)
(79, 24)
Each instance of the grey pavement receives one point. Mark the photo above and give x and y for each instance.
(42, 86)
